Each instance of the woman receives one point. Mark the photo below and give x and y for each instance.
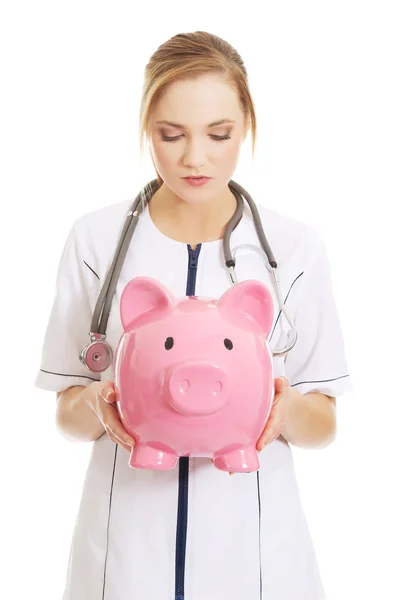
(194, 533)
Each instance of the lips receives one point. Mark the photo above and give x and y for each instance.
(197, 181)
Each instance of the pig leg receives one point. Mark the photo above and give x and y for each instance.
(241, 460)
(147, 457)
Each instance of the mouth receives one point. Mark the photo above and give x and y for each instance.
(197, 181)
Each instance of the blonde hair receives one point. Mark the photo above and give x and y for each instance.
(187, 56)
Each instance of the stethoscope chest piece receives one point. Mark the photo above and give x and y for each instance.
(96, 356)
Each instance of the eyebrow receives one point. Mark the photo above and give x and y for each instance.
(214, 124)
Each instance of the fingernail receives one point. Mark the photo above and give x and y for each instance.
(262, 446)
(109, 394)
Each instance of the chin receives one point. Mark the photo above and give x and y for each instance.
(196, 198)
(191, 195)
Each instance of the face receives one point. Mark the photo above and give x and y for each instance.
(192, 142)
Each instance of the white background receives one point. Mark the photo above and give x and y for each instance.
(325, 81)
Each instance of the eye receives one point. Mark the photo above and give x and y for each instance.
(220, 138)
(216, 138)
(169, 342)
(228, 343)
(167, 138)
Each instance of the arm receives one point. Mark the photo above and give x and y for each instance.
(316, 368)
(305, 420)
(75, 419)
(304, 407)
(67, 327)
(84, 414)
(310, 420)
(85, 404)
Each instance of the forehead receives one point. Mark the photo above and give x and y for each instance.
(199, 101)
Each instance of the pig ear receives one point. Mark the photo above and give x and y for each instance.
(142, 295)
(252, 298)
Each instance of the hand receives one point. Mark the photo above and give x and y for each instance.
(284, 394)
(100, 396)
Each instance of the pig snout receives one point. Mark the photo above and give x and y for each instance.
(197, 388)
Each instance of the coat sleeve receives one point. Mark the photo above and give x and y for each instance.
(317, 363)
(68, 325)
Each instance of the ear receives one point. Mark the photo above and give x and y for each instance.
(141, 296)
(252, 298)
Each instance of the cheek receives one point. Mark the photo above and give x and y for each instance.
(165, 153)
(225, 153)
(233, 146)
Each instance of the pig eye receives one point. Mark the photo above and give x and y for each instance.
(228, 344)
(169, 342)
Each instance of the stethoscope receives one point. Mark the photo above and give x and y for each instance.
(97, 355)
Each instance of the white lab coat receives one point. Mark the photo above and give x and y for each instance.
(247, 536)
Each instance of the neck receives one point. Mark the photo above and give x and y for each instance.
(191, 223)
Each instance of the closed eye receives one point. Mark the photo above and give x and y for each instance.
(217, 138)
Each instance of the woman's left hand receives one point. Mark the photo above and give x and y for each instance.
(284, 394)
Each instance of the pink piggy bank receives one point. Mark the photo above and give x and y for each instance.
(193, 376)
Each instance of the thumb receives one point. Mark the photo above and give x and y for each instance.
(281, 384)
(107, 392)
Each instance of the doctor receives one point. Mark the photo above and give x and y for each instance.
(194, 533)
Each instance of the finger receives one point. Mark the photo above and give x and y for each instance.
(272, 435)
(112, 423)
(117, 441)
(124, 440)
(109, 395)
(271, 431)
(107, 392)
(280, 390)
(281, 384)
(274, 421)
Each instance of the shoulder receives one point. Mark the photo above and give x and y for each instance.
(293, 241)
(103, 223)
(96, 235)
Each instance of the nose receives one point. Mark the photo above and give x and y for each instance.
(193, 155)
(198, 388)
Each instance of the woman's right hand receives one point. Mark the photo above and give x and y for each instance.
(101, 397)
